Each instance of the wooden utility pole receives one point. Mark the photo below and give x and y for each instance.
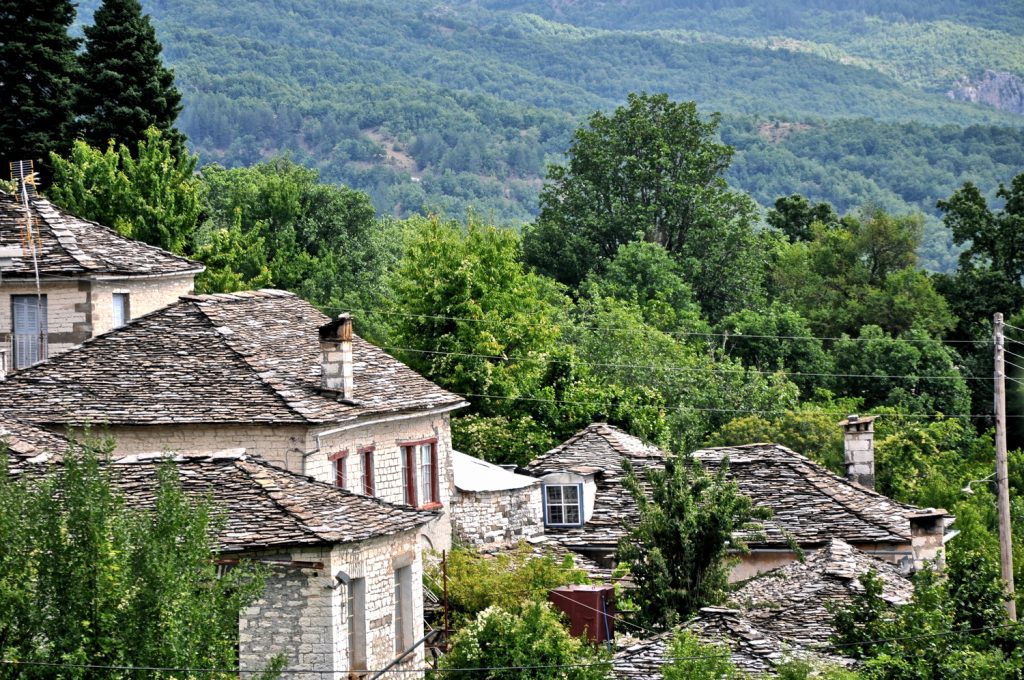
(1002, 474)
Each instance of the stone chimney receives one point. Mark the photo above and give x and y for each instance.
(859, 449)
(336, 357)
(928, 536)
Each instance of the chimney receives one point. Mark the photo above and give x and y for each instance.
(928, 536)
(859, 449)
(336, 357)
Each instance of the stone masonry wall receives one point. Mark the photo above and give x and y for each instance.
(67, 311)
(386, 438)
(144, 296)
(488, 518)
(78, 309)
(278, 444)
(302, 615)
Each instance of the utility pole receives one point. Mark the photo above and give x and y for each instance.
(1002, 474)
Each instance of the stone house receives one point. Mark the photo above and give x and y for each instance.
(344, 586)
(90, 280)
(493, 506)
(264, 371)
(587, 509)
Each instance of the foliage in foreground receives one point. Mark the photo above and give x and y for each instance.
(954, 627)
(677, 551)
(85, 579)
(509, 580)
(501, 643)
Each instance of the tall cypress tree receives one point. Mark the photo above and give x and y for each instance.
(125, 87)
(37, 71)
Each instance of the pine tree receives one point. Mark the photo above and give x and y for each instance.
(125, 87)
(37, 70)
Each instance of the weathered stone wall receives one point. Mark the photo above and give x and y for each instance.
(144, 296)
(282, 445)
(78, 309)
(486, 518)
(302, 611)
(68, 312)
(387, 438)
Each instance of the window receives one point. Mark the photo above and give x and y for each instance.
(340, 460)
(563, 504)
(367, 455)
(356, 621)
(29, 338)
(122, 311)
(403, 609)
(420, 473)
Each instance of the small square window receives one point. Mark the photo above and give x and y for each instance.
(563, 505)
(122, 310)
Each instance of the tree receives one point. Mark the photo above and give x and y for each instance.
(687, 658)
(88, 580)
(677, 550)
(794, 215)
(652, 171)
(39, 71)
(501, 643)
(149, 194)
(125, 87)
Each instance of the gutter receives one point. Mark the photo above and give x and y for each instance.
(355, 425)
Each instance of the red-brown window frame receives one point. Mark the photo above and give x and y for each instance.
(412, 468)
(366, 454)
(339, 460)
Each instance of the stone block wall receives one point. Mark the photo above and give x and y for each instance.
(386, 438)
(68, 311)
(302, 612)
(487, 518)
(282, 445)
(145, 295)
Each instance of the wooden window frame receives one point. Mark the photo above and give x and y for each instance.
(411, 473)
(366, 455)
(340, 460)
(563, 505)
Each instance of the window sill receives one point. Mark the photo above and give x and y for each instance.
(431, 506)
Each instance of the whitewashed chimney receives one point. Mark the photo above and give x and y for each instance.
(859, 449)
(336, 357)
(928, 536)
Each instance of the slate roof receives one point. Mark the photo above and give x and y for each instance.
(28, 442)
(548, 546)
(265, 506)
(249, 357)
(789, 602)
(71, 246)
(807, 501)
(753, 651)
(600, 448)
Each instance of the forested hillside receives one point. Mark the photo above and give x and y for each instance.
(451, 107)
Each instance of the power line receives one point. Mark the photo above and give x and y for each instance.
(699, 409)
(672, 369)
(1006, 325)
(647, 329)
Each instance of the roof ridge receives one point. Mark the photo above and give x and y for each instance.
(299, 520)
(260, 372)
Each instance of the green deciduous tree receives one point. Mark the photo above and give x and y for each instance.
(501, 643)
(794, 215)
(148, 193)
(125, 88)
(653, 170)
(89, 580)
(687, 658)
(38, 72)
(678, 550)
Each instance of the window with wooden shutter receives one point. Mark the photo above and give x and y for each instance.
(29, 332)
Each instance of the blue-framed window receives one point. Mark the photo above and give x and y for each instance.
(563, 505)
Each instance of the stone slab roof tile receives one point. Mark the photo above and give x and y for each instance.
(601, 448)
(790, 602)
(27, 442)
(753, 651)
(251, 357)
(265, 506)
(809, 503)
(70, 246)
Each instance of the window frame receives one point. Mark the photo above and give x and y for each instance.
(562, 504)
(340, 460)
(42, 307)
(366, 455)
(355, 620)
(403, 614)
(412, 474)
(126, 309)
